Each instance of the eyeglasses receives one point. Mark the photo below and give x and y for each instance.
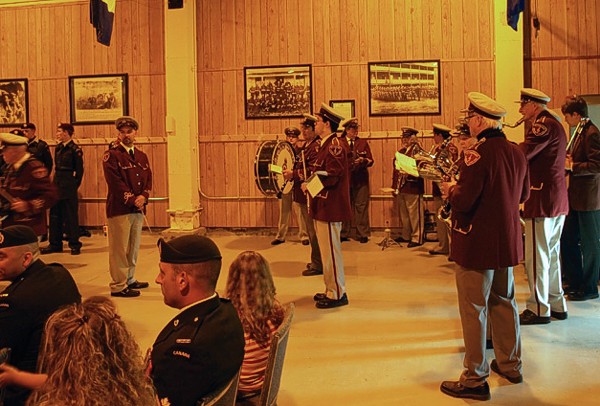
(525, 102)
(469, 116)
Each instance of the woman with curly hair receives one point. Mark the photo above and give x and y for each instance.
(87, 357)
(252, 291)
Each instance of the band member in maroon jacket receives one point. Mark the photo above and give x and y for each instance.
(486, 244)
(544, 212)
(331, 206)
(129, 179)
(360, 160)
(27, 191)
(444, 150)
(580, 241)
(409, 191)
(302, 170)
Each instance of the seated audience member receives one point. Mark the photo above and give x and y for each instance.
(87, 357)
(36, 291)
(202, 348)
(251, 290)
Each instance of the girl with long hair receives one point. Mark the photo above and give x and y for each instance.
(251, 289)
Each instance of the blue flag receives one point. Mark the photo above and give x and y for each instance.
(514, 8)
(102, 15)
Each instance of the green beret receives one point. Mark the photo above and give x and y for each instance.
(188, 249)
(13, 236)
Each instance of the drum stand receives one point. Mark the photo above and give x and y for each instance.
(387, 241)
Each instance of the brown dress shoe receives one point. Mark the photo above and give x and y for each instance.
(458, 390)
(511, 379)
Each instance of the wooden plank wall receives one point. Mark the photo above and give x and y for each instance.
(339, 38)
(48, 43)
(564, 57)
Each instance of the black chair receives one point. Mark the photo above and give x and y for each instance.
(270, 390)
(224, 396)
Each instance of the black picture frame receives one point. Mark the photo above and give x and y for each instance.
(402, 88)
(345, 107)
(282, 91)
(98, 99)
(14, 102)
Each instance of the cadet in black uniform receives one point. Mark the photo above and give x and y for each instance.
(67, 178)
(37, 147)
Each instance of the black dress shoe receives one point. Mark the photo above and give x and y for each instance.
(400, 239)
(581, 297)
(50, 249)
(277, 241)
(305, 242)
(413, 244)
(363, 240)
(559, 315)
(434, 252)
(138, 285)
(511, 379)
(458, 390)
(75, 251)
(319, 296)
(344, 239)
(489, 345)
(126, 293)
(312, 272)
(528, 318)
(327, 303)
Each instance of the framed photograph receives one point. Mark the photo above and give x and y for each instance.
(344, 107)
(14, 102)
(277, 91)
(98, 99)
(404, 88)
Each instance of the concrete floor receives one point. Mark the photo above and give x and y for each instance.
(396, 341)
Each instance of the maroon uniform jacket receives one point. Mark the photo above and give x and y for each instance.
(30, 182)
(359, 174)
(486, 229)
(410, 185)
(545, 147)
(126, 178)
(332, 204)
(453, 156)
(584, 181)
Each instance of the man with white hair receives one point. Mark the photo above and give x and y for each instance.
(493, 182)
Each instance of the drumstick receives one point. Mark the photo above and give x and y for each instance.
(306, 193)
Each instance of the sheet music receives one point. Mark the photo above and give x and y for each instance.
(314, 184)
(406, 164)
(275, 169)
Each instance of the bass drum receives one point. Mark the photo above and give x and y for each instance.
(269, 153)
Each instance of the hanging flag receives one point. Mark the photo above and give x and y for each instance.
(514, 8)
(102, 14)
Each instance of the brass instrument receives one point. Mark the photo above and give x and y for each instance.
(576, 134)
(515, 125)
(403, 176)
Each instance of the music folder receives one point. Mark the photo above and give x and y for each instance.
(314, 184)
(406, 164)
(275, 169)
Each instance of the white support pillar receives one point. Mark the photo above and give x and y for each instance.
(182, 117)
(508, 46)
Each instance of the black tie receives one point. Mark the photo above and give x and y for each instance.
(351, 145)
(131, 154)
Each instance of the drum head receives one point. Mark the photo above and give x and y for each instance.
(278, 153)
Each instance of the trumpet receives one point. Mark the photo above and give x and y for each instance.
(576, 134)
(515, 125)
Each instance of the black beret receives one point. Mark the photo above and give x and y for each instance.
(28, 126)
(17, 132)
(13, 236)
(66, 127)
(188, 249)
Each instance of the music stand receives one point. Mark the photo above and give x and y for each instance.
(387, 241)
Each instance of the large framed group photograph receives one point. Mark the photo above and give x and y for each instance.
(98, 99)
(14, 102)
(404, 88)
(277, 91)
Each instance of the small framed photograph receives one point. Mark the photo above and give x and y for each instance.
(404, 88)
(344, 107)
(98, 99)
(14, 102)
(277, 91)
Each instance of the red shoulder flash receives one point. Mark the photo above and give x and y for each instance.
(471, 157)
(106, 156)
(539, 129)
